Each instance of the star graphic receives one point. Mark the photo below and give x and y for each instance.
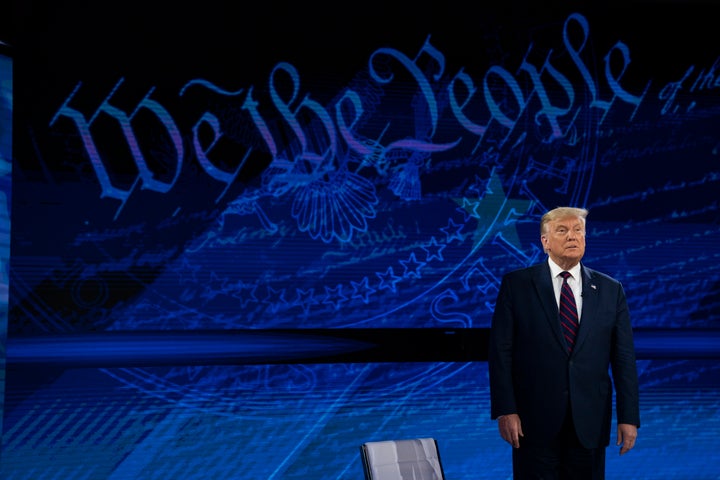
(274, 298)
(467, 207)
(433, 250)
(305, 299)
(362, 290)
(214, 287)
(388, 280)
(246, 293)
(495, 213)
(334, 296)
(412, 266)
(452, 231)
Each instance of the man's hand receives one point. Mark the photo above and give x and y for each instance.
(511, 429)
(626, 435)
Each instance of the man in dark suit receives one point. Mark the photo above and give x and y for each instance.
(550, 389)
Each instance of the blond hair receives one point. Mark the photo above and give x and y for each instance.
(562, 212)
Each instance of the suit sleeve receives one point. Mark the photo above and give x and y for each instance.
(624, 367)
(500, 354)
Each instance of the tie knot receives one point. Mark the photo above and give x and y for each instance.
(565, 275)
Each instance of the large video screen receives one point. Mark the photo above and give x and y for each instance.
(176, 184)
(245, 240)
(6, 101)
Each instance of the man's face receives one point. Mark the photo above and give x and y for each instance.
(564, 241)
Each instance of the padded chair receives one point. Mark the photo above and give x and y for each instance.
(412, 459)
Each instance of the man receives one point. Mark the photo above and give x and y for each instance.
(550, 389)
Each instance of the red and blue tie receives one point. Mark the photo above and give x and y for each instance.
(568, 312)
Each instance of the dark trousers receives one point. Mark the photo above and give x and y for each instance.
(564, 459)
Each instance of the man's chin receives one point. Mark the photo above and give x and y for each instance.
(571, 256)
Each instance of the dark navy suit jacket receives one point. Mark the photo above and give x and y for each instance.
(532, 373)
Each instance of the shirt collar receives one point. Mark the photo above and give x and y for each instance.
(555, 270)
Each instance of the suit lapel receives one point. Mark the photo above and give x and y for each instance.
(546, 293)
(589, 306)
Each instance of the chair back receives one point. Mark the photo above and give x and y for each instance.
(411, 459)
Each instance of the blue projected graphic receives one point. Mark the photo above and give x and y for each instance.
(240, 250)
(5, 202)
(396, 204)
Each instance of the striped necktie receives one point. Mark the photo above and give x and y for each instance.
(568, 312)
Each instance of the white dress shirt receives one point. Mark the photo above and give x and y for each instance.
(574, 281)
